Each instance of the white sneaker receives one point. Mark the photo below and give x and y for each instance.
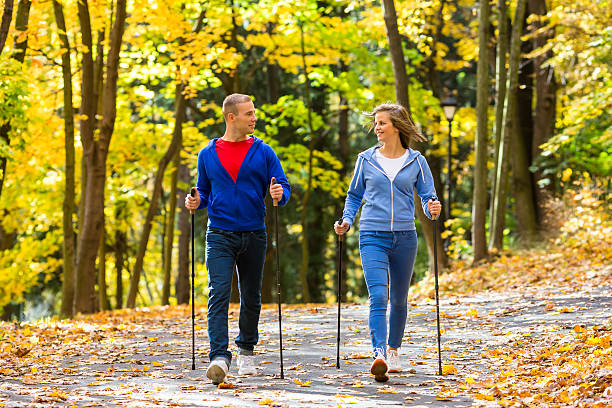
(393, 359)
(217, 370)
(246, 365)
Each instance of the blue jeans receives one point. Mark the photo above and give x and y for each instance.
(246, 251)
(387, 259)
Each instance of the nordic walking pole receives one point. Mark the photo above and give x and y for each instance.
(339, 292)
(278, 286)
(192, 283)
(437, 297)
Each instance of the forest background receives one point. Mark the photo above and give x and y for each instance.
(105, 105)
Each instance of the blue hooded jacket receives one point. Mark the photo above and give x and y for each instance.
(388, 205)
(239, 205)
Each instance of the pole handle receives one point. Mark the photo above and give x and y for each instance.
(341, 236)
(434, 217)
(274, 201)
(193, 193)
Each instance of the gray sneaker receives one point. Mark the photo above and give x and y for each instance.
(246, 365)
(217, 370)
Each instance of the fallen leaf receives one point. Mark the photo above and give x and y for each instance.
(302, 384)
(449, 369)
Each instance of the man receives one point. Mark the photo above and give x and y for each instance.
(234, 173)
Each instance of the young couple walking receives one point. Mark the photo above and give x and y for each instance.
(234, 174)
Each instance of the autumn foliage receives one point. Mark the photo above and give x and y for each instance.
(578, 253)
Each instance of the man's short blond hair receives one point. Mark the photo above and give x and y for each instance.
(230, 102)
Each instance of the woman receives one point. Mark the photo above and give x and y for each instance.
(385, 178)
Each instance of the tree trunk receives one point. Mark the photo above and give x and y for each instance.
(182, 285)
(20, 47)
(496, 233)
(268, 283)
(545, 112)
(272, 71)
(69, 187)
(95, 151)
(175, 145)
(434, 76)
(401, 94)
(522, 139)
(102, 292)
(523, 189)
(343, 155)
(7, 16)
(435, 163)
(182, 289)
(170, 231)
(479, 211)
(303, 274)
(397, 54)
(7, 238)
(231, 81)
(509, 121)
(120, 252)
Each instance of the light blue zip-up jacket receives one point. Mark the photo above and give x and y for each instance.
(388, 205)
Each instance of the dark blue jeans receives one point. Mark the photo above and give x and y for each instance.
(387, 259)
(225, 250)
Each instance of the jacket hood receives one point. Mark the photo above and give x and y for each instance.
(371, 153)
(211, 143)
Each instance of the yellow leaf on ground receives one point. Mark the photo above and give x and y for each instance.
(593, 340)
(302, 384)
(57, 394)
(449, 369)
(484, 397)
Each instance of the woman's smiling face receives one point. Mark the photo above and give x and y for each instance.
(384, 129)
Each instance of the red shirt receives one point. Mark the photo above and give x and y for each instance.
(231, 154)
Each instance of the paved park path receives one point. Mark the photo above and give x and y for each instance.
(144, 359)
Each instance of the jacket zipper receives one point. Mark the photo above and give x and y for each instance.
(392, 209)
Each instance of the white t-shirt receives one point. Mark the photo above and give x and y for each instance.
(391, 166)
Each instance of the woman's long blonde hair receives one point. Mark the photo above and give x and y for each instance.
(401, 119)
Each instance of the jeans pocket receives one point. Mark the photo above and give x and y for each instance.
(219, 237)
(260, 236)
(367, 237)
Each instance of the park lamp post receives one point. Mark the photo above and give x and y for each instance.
(449, 105)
